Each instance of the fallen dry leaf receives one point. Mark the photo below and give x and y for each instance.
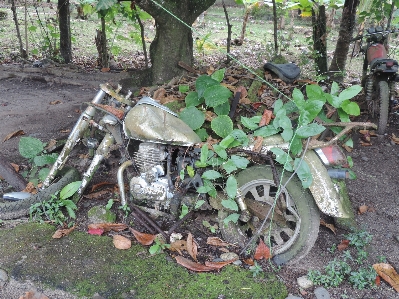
(106, 227)
(219, 265)
(363, 209)
(343, 245)
(98, 194)
(178, 246)
(105, 69)
(65, 131)
(95, 231)
(15, 166)
(388, 273)
(193, 266)
(100, 185)
(215, 241)
(192, 248)
(63, 232)
(378, 280)
(395, 139)
(121, 242)
(14, 134)
(142, 238)
(328, 225)
(242, 90)
(159, 94)
(51, 144)
(262, 251)
(55, 102)
(33, 295)
(249, 261)
(30, 188)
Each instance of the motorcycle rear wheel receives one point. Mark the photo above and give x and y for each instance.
(383, 106)
(294, 229)
(20, 208)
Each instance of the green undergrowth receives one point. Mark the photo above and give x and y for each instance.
(83, 264)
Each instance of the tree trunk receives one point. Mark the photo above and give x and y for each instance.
(15, 17)
(173, 40)
(320, 39)
(65, 30)
(244, 24)
(275, 28)
(347, 25)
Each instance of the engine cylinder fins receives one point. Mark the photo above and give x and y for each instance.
(149, 155)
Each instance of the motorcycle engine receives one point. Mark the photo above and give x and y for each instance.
(152, 185)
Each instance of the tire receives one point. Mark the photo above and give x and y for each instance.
(383, 104)
(294, 229)
(20, 208)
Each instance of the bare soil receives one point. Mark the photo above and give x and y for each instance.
(28, 105)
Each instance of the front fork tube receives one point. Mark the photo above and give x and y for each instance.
(102, 151)
(76, 134)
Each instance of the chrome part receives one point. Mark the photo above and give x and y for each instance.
(107, 88)
(322, 156)
(16, 195)
(149, 155)
(151, 102)
(121, 182)
(153, 124)
(102, 151)
(109, 120)
(76, 133)
(92, 143)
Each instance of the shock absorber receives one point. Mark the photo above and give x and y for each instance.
(369, 88)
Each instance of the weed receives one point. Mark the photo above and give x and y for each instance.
(159, 246)
(256, 269)
(363, 278)
(109, 204)
(333, 248)
(126, 209)
(359, 239)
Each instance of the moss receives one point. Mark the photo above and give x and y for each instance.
(85, 264)
(176, 106)
(255, 86)
(99, 214)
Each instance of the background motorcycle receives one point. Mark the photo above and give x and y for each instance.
(380, 75)
(160, 182)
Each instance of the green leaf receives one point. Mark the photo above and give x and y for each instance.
(283, 158)
(223, 109)
(44, 160)
(249, 123)
(230, 204)
(43, 173)
(203, 189)
(350, 92)
(190, 171)
(184, 88)
(198, 204)
(303, 172)
(154, 249)
(240, 137)
(70, 189)
(309, 130)
(215, 161)
(216, 95)
(193, 117)
(202, 134)
(231, 187)
(71, 212)
(222, 125)
(220, 151)
(310, 110)
(202, 83)
(218, 75)
(225, 143)
(30, 147)
(287, 134)
(240, 162)
(351, 108)
(334, 89)
(296, 146)
(192, 99)
(343, 116)
(184, 211)
(314, 91)
(298, 98)
(105, 4)
(109, 204)
(212, 192)
(229, 166)
(232, 217)
(266, 131)
(211, 175)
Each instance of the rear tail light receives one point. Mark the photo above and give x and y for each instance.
(332, 156)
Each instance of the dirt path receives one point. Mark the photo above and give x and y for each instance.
(45, 109)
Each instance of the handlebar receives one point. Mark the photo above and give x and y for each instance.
(385, 32)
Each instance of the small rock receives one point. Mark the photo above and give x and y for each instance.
(99, 214)
(304, 282)
(397, 238)
(364, 158)
(3, 278)
(321, 293)
(293, 297)
(237, 263)
(97, 296)
(228, 256)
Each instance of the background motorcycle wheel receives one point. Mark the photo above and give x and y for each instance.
(383, 105)
(294, 228)
(15, 209)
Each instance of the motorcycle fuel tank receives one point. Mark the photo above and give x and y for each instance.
(152, 122)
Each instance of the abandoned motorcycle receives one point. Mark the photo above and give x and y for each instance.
(380, 82)
(164, 150)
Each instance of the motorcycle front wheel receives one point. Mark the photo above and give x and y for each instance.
(20, 208)
(291, 229)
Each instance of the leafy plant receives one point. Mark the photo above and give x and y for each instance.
(126, 209)
(158, 247)
(212, 228)
(33, 149)
(256, 269)
(53, 209)
(109, 204)
(363, 278)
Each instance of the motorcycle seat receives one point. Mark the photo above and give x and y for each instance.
(378, 61)
(288, 72)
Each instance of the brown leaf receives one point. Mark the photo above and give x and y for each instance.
(65, 131)
(121, 242)
(51, 144)
(30, 188)
(192, 248)
(242, 90)
(363, 209)
(249, 261)
(215, 241)
(193, 266)
(178, 246)
(15, 166)
(142, 238)
(328, 225)
(388, 273)
(63, 232)
(219, 265)
(116, 227)
(378, 280)
(262, 251)
(159, 94)
(98, 194)
(343, 245)
(395, 139)
(14, 134)
(105, 69)
(55, 102)
(100, 185)
(33, 295)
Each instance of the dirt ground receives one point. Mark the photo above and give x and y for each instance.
(28, 105)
